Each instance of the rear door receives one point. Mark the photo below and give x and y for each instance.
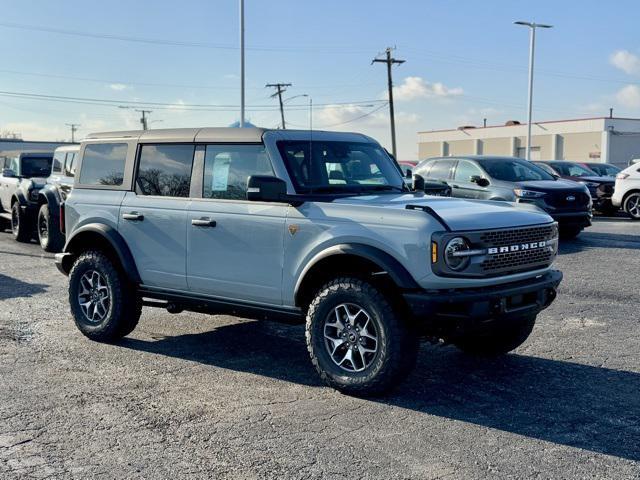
(153, 217)
(235, 246)
(9, 184)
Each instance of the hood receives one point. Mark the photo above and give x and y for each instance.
(458, 213)
(596, 179)
(552, 185)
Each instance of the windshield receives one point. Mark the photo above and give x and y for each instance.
(605, 170)
(573, 170)
(513, 170)
(341, 167)
(36, 166)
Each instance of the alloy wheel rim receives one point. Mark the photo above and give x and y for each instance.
(350, 337)
(15, 220)
(633, 205)
(94, 297)
(43, 227)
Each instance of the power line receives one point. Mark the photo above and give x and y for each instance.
(164, 105)
(280, 89)
(390, 61)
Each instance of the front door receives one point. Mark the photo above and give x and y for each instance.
(235, 247)
(462, 185)
(153, 218)
(8, 184)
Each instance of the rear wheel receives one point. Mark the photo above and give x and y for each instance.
(499, 339)
(631, 205)
(105, 306)
(49, 235)
(21, 226)
(357, 342)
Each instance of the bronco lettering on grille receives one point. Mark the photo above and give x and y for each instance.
(517, 248)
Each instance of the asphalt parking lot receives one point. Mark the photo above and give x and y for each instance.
(195, 396)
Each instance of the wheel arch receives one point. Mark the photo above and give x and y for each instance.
(630, 192)
(351, 258)
(105, 238)
(49, 197)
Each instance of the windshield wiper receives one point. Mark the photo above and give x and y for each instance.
(386, 187)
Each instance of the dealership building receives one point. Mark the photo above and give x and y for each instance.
(602, 139)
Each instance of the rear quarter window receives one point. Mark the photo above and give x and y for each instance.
(103, 164)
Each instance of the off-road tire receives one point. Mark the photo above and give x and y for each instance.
(21, 224)
(51, 240)
(125, 306)
(396, 352)
(628, 205)
(498, 340)
(569, 233)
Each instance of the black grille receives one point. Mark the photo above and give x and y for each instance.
(500, 238)
(516, 261)
(559, 200)
(524, 258)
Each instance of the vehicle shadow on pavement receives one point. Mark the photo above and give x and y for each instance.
(13, 288)
(588, 240)
(592, 408)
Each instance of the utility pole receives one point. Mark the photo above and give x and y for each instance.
(280, 89)
(74, 129)
(241, 64)
(389, 60)
(143, 119)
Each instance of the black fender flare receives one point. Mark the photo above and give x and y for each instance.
(52, 198)
(116, 241)
(19, 196)
(396, 271)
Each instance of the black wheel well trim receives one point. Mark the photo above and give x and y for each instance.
(114, 239)
(627, 194)
(396, 271)
(19, 197)
(49, 197)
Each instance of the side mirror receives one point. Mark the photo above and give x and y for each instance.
(418, 183)
(408, 173)
(8, 173)
(264, 188)
(480, 181)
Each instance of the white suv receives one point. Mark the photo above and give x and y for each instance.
(627, 191)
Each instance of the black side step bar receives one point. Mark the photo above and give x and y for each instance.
(431, 212)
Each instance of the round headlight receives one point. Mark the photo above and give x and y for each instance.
(452, 253)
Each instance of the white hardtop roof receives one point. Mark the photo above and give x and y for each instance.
(68, 148)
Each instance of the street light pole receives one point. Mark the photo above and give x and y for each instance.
(532, 46)
(241, 63)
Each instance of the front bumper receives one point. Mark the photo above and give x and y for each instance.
(464, 309)
(572, 219)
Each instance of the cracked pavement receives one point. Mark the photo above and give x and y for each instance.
(196, 396)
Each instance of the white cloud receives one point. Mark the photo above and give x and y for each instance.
(118, 87)
(417, 87)
(626, 61)
(629, 96)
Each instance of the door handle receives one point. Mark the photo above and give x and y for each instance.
(133, 216)
(203, 222)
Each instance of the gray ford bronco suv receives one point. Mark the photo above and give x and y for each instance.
(300, 226)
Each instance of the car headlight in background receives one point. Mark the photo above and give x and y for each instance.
(455, 254)
(590, 184)
(33, 194)
(528, 193)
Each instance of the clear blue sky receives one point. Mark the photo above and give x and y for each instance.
(465, 60)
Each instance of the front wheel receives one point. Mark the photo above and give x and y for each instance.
(569, 233)
(357, 342)
(21, 227)
(104, 305)
(497, 340)
(631, 205)
(49, 235)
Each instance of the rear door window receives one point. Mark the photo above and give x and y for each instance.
(441, 169)
(165, 170)
(69, 169)
(465, 170)
(103, 164)
(58, 162)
